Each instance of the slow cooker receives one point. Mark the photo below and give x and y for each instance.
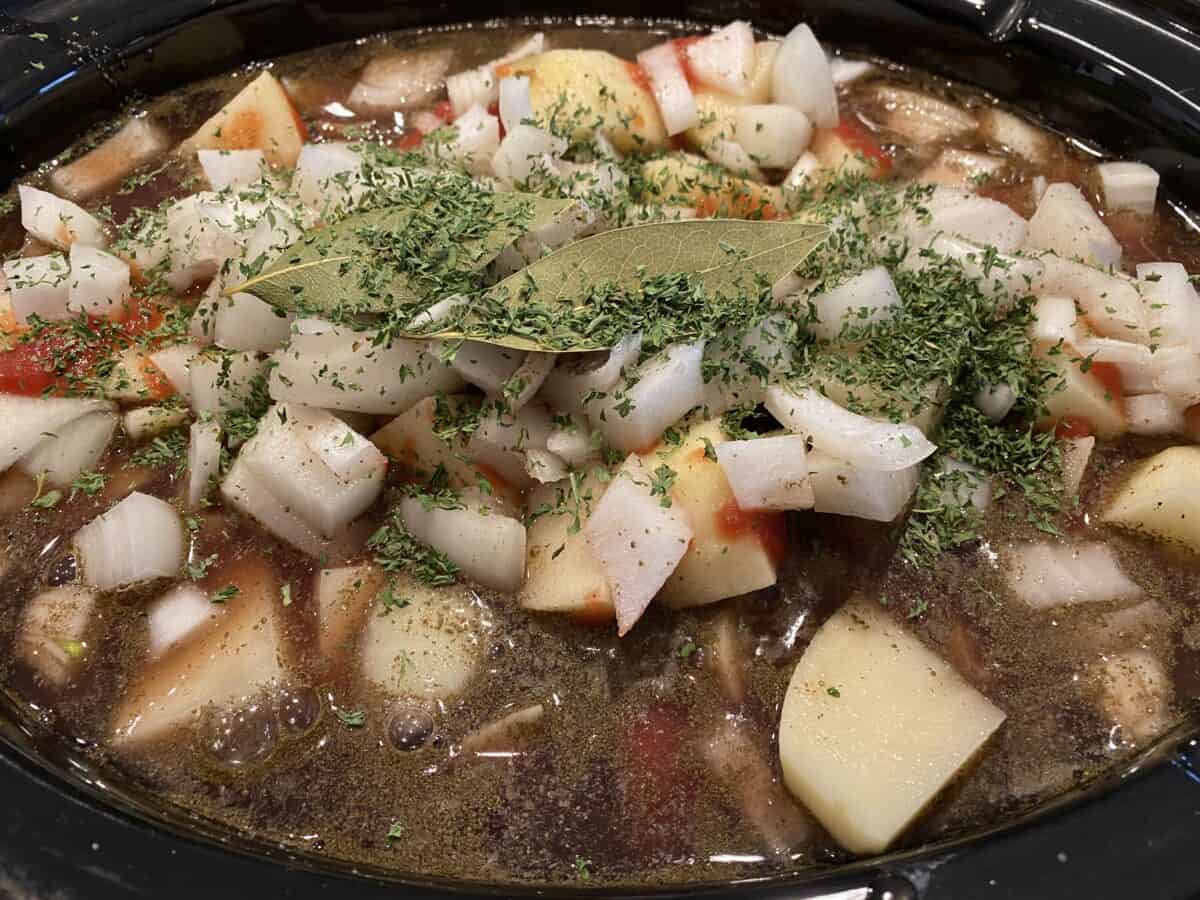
(1122, 74)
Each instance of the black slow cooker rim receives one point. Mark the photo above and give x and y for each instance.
(62, 71)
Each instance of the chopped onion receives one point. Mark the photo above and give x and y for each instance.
(474, 87)
(174, 362)
(768, 473)
(803, 171)
(571, 442)
(1065, 223)
(147, 422)
(244, 491)
(846, 490)
(328, 177)
(801, 78)
(632, 416)
(1076, 454)
(244, 322)
(858, 440)
(222, 382)
(203, 460)
(670, 86)
(334, 367)
(864, 299)
(1044, 575)
(578, 375)
(1128, 185)
(527, 151)
(99, 283)
(232, 168)
(57, 222)
(995, 401)
(981, 220)
(501, 438)
(487, 366)
(1110, 302)
(545, 467)
(487, 546)
(1172, 307)
(1154, 415)
(515, 103)
(476, 140)
(772, 134)
(528, 379)
(28, 420)
(1135, 361)
(139, 539)
(738, 375)
(1175, 371)
(733, 156)
(724, 61)
(636, 539)
(74, 448)
(844, 71)
(1055, 319)
(999, 276)
(176, 615)
(315, 465)
(39, 286)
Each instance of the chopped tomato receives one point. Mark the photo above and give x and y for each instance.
(409, 139)
(444, 111)
(1109, 375)
(1073, 427)
(860, 140)
(639, 77)
(681, 52)
(733, 523)
(494, 109)
(658, 787)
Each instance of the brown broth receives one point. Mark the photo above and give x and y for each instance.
(614, 780)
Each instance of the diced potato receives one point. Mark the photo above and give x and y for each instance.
(686, 180)
(1076, 454)
(561, 572)
(136, 379)
(232, 659)
(1162, 498)
(261, 116)
(1081, 395)
(146, 422)
(1135, 691)
(874, 726)
(344, 595)
(835, 153)
(581, 88)
(733, 552)
(51, 639)
(136, 143)
(427, 648)
(410, 440)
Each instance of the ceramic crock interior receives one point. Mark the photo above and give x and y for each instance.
(1108, 75)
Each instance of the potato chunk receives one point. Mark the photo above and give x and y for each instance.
(259, 117)
(592, 89)
(1162, 497)
(874, 725)
(733, 552)
(687, 180)
(561, 572)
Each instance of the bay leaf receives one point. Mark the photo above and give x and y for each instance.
(724, 257)
(340, 269)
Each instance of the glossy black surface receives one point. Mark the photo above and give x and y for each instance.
(1121, 74)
